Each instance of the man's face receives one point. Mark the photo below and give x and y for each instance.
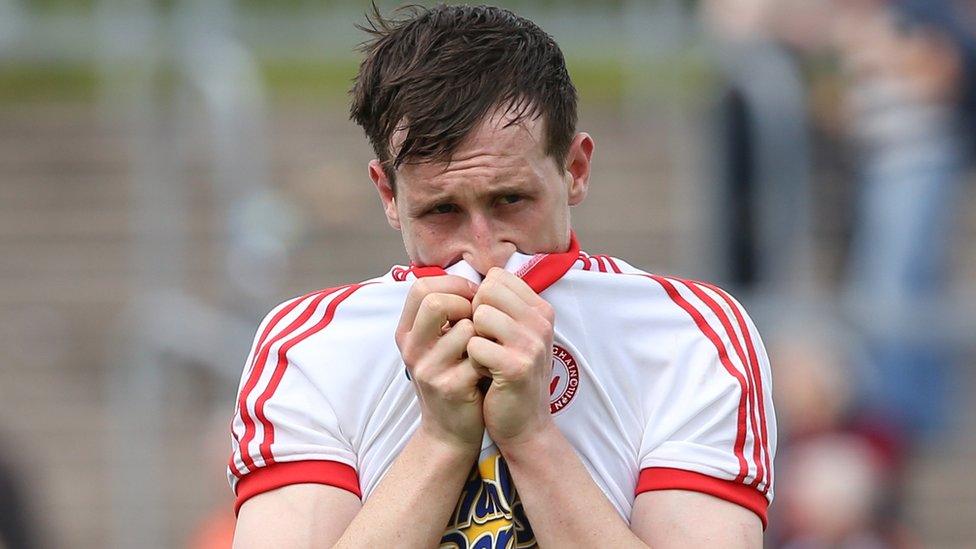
(500, 193)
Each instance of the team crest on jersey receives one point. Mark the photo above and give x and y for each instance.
(565, 379)
(489, 514)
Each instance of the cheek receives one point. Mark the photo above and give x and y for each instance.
(551, 211)
(429, 245)
(539, 228)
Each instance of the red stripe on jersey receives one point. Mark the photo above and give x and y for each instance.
(585, 258)
(282, 365)
(613, 264)
(287, 473)
(723, 355)
(600, 264)
(254, 353)
(251, 380)
(591, 263)
(727, 325)
(604, 263)
(756, 373)
(664, 478)
(232, 463)
(257, 367)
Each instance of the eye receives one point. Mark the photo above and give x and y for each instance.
(510, 198)
(443, 209)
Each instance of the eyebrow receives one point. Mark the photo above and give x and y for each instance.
(497, 191)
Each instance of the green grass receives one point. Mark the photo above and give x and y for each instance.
(47, 83)
(597, 81)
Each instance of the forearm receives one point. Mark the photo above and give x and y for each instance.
(564, 505)
(427, 476)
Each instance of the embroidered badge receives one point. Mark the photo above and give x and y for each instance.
(565, 379)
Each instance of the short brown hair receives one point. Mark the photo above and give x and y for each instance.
(437, 73)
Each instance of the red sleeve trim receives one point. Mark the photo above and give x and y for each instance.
(286, 473)
(664, 478)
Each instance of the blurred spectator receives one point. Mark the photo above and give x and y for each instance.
(840, 464)
(760, 219)
(910, 101)
(831, 487)
(906, 66)
(849, 405)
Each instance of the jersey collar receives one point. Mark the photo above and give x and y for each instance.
(539, 271)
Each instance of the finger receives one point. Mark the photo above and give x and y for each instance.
(447, 284)
(492, 323)
(500, 278)
(467, 374)
(516, 284)
(488, 354)
(452, 346)
(503, 298)
(436, 310)
(482, 370)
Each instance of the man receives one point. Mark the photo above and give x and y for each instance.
(602, 406)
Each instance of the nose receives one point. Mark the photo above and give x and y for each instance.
(486, 247)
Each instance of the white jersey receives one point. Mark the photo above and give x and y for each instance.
(658, 383)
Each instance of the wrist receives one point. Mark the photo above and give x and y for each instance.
(531, 442)
(446, 448)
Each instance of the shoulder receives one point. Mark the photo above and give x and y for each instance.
(691, 311)
(357, 311)
(603, 277)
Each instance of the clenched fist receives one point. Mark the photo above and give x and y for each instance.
(513, 342)
(433, 335)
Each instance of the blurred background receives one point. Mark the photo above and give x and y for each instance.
(170, 170)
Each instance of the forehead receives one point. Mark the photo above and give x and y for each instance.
(495, 148)
(503, 134)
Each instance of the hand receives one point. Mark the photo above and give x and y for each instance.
(514, 345)
(432, 336)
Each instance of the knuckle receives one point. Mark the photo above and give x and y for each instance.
(422, 372)
(539, 348)
(413, 355)
(407, 353)
(473, 346)
(408, 347)
(465, 327)
(418, 375)
(521, 366)
(441, 385)
(488, 284)
(434, 303)
(481, 314)
(547, 326)
(420, 288)
(548, 312)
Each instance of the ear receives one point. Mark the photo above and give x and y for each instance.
(385, 190)
(578, 167)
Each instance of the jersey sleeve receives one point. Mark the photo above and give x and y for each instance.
(285, 430)
(713, 428)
